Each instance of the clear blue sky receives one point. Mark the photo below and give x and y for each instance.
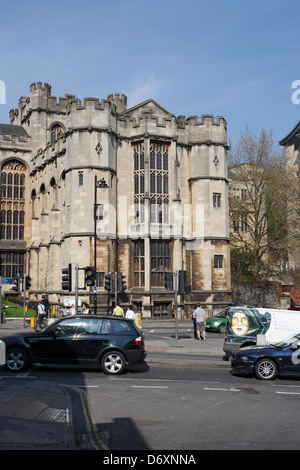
(234, 58)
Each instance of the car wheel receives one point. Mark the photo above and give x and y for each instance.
(113, 363)
(266, 369)
(221, 328)
(16, 360)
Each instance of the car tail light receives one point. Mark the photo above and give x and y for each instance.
(139, 341)
(225, 336)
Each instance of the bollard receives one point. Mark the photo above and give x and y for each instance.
(33, 323)
(138, 319)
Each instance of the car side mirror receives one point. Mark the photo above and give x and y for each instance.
(296, 345)
(49, 333)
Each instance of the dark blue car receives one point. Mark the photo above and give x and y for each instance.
(266, 362)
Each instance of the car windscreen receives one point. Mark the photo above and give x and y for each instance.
(222, 314)
(288, 341)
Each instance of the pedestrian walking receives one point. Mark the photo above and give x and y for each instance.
(130, 313)
(45, 303)
(73, 310)
(86, 308)
(41, 314)
(199, 314)
(193, 318)
(118, 311)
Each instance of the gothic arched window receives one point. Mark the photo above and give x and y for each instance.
(55, 130)
(12, 222)
(12, 196)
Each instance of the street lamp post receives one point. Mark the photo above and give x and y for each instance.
(98, 184)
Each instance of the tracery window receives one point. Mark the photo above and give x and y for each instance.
(159, 182)
(159, 210)
(12, 215)
(12, 200)
(139, 182)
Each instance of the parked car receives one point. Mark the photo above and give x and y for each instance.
(83, 340)
(217, 322)
(266, 362)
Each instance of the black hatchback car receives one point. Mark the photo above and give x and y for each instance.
(106, 342)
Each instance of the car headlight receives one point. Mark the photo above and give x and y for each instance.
(244, 358)
(215, 323)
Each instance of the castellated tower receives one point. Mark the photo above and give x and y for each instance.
(160, 183)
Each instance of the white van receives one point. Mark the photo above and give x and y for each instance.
(247, 326)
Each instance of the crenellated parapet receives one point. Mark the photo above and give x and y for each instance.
(77, 104)
(207, 130)
(38, 86)
(150, 117)
(94, 113)
(40, 100)
(114, 103)
(120, 102)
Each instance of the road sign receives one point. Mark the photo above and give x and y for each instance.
(7, 280)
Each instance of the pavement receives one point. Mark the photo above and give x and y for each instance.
(40, 415)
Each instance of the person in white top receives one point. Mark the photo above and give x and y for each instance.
(199, 314)
(73, 310)
(40, 313)
(130, 313)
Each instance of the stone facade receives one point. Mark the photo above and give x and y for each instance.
(291, 144)
(156, 215)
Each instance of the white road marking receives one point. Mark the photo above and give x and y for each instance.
(148, 386)
(163, 380)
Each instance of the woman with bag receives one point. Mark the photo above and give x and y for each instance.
(193, 318)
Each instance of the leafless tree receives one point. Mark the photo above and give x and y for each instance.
(258, 201)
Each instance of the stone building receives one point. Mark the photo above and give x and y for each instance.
(291, 144)
(163, 207)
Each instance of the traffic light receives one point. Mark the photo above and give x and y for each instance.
(89, 276)
(16, 283)
(169, 281)
(27, 282)
(108, 282)
(121, 283)
(66, 280)
(184, 287)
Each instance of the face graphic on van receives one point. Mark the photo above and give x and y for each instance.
(239, 323)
